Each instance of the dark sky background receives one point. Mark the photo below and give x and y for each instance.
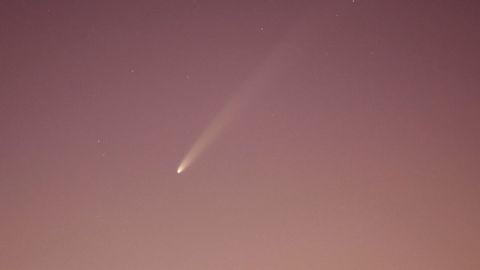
(359, 150)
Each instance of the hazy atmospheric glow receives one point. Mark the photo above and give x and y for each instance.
(239, 135)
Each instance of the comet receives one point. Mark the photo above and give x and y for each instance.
(276, 61)
(214, 129)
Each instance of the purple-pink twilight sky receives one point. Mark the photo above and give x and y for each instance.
(356, 144)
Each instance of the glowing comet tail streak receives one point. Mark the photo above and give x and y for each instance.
(274, 62)
(212, 131)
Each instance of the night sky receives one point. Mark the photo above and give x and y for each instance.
(332, 134)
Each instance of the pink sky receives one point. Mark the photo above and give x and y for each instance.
(357, 146)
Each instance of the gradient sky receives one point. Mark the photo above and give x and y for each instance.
(356, 147)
